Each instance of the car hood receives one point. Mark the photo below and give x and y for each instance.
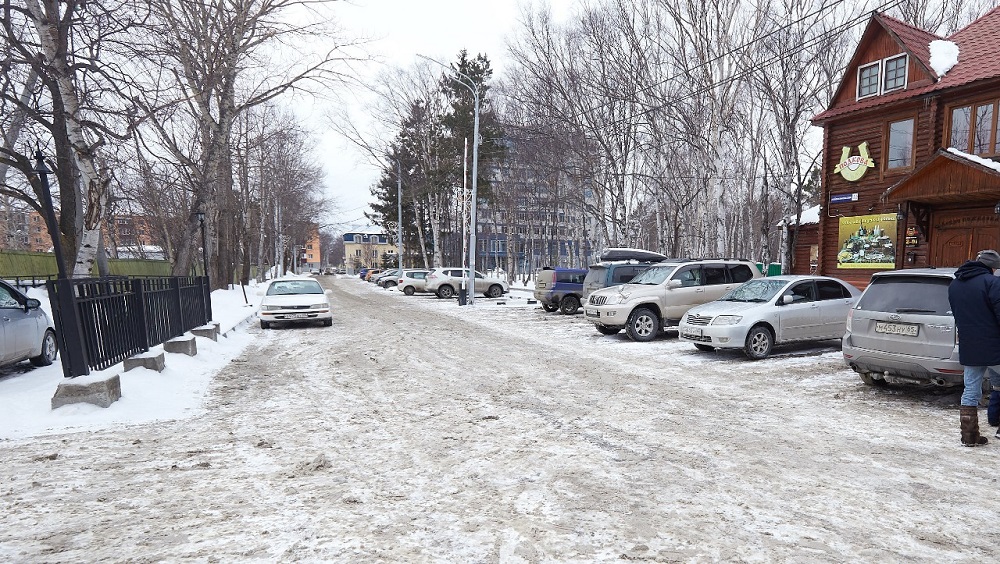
(729, 308)
(295, 299)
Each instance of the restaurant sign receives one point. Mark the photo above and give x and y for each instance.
(852, 168)
(867, 241)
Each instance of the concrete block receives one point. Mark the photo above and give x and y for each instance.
(182, 345)
(207, 331)
(101, 392)
(150, 361)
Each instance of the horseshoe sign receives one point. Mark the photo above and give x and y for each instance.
(852, 168)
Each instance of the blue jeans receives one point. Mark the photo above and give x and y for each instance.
(974, 382)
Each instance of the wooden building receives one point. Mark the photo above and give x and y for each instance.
(910, 176)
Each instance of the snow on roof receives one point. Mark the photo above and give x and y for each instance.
(809, 215)
(366, 230)
(944, 55)
(988, 163)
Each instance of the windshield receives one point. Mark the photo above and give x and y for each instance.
(653, 275)
(290, 287)
(761, 290)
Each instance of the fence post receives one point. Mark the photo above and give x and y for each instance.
(72, 353)
(176, 312)
(206, 296)
(140, 328)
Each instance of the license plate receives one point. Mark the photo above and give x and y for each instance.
(904, 329)
(592, 313)
(298, 315)
(693, 333)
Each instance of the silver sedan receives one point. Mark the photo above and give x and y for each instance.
(765, 312)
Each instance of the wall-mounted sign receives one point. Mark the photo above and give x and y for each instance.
(841, 198)
(867, 241)
(852, 168)
(911, 237)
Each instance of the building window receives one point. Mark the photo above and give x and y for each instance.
(895, 74)
(868, 79)
(960, 122)
(981, 143)
(900, 144)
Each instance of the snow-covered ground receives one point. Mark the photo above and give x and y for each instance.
(415, 430)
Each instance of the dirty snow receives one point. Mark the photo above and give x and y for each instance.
(414, 430)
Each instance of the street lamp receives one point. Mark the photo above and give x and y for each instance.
(204, 247)
(473, 87)
(50, 213)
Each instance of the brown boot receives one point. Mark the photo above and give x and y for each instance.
(969, 417)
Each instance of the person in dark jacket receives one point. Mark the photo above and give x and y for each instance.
(974, 295)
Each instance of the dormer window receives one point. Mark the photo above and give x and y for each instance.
(895, 74)
(882, 77)
(868, 79)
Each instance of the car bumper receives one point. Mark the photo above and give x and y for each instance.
(718, 336)
(609, 316)
(291, 315)
(904, 369)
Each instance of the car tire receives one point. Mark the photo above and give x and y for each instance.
(870, 380)
(445, 292)
(704, 348)
(643, 325)
(408, 290)
(494, 291)
(390, 284)
(550, 307)
(264, 324)
(569, 305)
(759, 342)
(49, 350)
(605, 330)
(327, 323)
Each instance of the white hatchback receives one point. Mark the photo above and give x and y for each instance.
(765, 312)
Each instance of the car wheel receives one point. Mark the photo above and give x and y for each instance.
(494, 291)
(550, 307)
(759, 343)
(408, 290)
(870, 380)
(569, 305)
(643, 325)
(49, 350)
(605, 330)
(264, 324)
(390, 284)
(327, 323)
(704, 348)
(445, 292)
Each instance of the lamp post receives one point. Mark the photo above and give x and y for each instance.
(204, 247)
(399, 218)
(473, 87)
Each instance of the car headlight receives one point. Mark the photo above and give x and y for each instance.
(271, 308)
(320, 306)
(727, 319)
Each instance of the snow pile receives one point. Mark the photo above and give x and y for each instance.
(944, 55)
(147, 395)
(988, 163)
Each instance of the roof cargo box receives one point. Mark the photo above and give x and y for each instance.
(618, 253)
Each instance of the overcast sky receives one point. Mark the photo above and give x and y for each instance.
(401, 29)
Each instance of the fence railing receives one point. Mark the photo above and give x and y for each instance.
(102, 321)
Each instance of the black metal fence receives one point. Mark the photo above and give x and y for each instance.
(102, 321)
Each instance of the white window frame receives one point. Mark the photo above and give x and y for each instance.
(878, 83)
(906, 72)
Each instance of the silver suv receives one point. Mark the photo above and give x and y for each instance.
(661, 294)
(446, 283)
(902, 331)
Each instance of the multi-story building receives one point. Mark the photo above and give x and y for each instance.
(364, 247)
(24, 229)
(911, 176)
(311, 256)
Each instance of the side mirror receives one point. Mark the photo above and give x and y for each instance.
(32, 303)
(787, 299)
(674, 283)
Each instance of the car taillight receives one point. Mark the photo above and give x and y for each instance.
(850, 317)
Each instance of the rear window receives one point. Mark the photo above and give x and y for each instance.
(596, 276)
(907, 294)
(740, 272)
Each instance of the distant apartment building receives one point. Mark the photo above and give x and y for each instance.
(364, 247)
(131, 236)
(312, 258)
(23, 229)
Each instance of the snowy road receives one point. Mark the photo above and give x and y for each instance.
(414, 430)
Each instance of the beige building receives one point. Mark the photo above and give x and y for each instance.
(365, 246)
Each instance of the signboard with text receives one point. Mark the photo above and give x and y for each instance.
(867, 241)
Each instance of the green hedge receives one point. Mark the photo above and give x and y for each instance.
(25, 265)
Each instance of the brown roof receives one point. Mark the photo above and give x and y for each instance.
(978, 59)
